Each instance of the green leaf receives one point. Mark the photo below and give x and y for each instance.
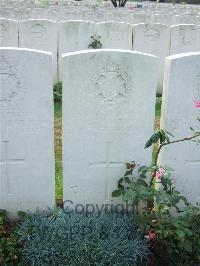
(153, 167)
(121, 187)
(116, 193)
(127, 179)
(188, 245)
(180, 233)
(142, 182)
(120, 180)
(129, 195)
(129, 172)
(163, 136)
(188, 231)
(153, 139)
(143, 169)
(144, 193)
(148, 144)
(143, 176)
(156, 136)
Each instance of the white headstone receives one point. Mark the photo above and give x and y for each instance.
(90, 16)
(54, 13)
(153, 39)
(74, 35)
(100, 15)
(198, 20)
(20, 14)
(8, 33)
(184, 39)
(112, 16)
(6, 14)
(138, 18)
(40, 35)
(41, 13)
(185, 19)
(106, 119)
(27, 139)
(181, 88)
(69, 15)
(115, 35)
(165, 19)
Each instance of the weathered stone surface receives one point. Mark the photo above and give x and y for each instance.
(74, 35)
(153, 39)
(181, 88)
(184, 39)
(8, 33)
(41, 35)
(115, 35)
(26, 124)
(108, 114)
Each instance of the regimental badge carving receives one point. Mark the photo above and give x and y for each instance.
(10, 90)
(38, 31)
(187, 36)
(152, 34)
(112, 85)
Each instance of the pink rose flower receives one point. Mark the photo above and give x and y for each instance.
(160, 173)
(197, 104)
(150, 235)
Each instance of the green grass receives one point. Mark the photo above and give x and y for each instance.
(58, 143)
(58, 150)
(58, 110)
(158, 107)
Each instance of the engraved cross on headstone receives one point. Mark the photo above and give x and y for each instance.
(193, 162)
(7, 161)
(108, 164)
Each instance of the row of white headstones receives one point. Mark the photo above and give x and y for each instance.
(69, 36)
(108, 114)
(168, 17)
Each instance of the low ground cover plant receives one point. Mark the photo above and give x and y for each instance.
(60, 238)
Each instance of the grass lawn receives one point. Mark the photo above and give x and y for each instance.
(58, 149)
(58, 143)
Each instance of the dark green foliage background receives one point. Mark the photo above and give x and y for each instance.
(10, 249)
(106, 240)
(57, 92)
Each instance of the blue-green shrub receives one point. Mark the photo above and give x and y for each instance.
(76, 239)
